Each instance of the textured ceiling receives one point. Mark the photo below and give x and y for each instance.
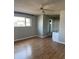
(33, 6)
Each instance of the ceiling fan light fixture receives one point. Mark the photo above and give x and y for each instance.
(43, 12)
(41, 8)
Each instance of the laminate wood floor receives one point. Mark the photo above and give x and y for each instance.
(37, 48)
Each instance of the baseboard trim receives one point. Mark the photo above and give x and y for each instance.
(62, 42)
(59, 42)
(26, 38)
(43, 36)
(31, 37)
(39, 37)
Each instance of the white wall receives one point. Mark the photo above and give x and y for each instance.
(24, 32)
(40, 26)
(62, 27)
(43, 25)
(55, 25)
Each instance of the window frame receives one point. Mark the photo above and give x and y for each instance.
(24, 22)
(30, 22)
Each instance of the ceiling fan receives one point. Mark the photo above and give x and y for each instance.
(43, 10)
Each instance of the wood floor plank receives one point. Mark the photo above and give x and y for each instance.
(37, 48)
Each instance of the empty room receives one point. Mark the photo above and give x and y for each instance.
(39, 29)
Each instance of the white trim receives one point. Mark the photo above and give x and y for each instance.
(26, 38)
(59, 41)
(43, 36)
(31, 37)
(38, 36)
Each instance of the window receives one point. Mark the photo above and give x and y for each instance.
(19, 21)
(28, 22)
(22, 21)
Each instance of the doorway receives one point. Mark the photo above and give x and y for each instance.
(50, 27)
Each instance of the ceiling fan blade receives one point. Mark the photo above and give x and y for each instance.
(42, 6)
(48, 10)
